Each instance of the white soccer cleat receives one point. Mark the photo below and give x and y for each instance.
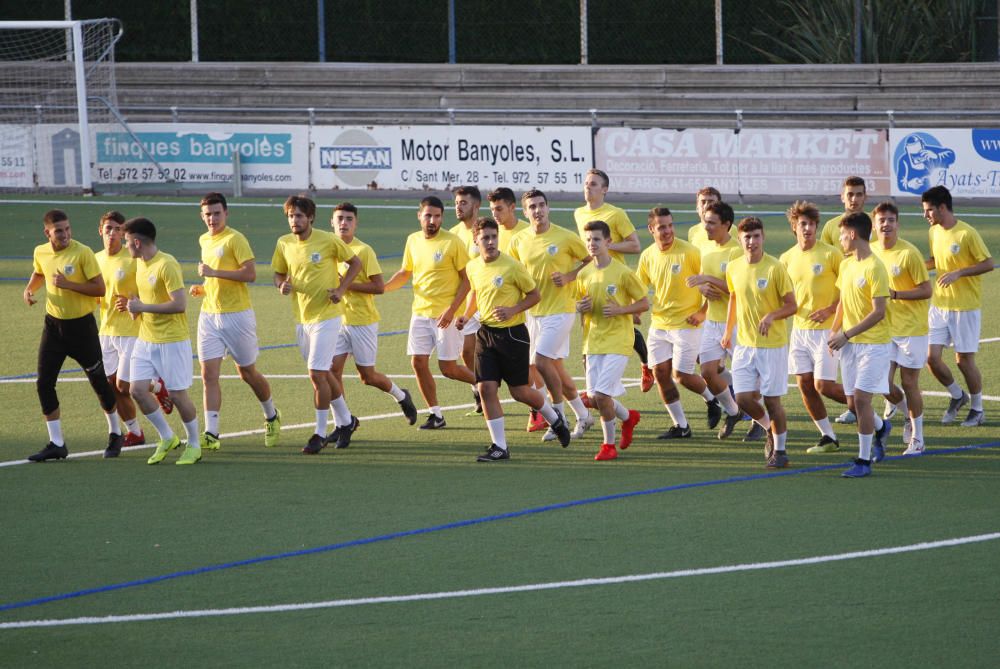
(846, 418)
(915, 448)
(582, 426)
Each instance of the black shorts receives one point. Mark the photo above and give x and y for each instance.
(502, 355)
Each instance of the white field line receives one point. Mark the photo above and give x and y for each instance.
(481, 592)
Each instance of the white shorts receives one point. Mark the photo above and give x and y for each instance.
(809, 353)
(472, 326)
(960, 328)
(316, 342)
(550, 335)
(909, 352)
(865, 367)
(763, 369)
(604, 374)
(681, 346)
(425, 336)
(170, 362)
(361, 341)
(711, 341)
(117, 354)
(233, 333)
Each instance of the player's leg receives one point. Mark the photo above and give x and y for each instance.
(909, 379)
(84, 346)
(661, 350)
(967, 329)
(639, 346)
(52, 354)
(421, 341)
(450, 345)
(211, 399)
(604, 374)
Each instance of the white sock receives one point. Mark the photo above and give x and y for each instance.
(676, 412)
(726, 376)
(576, 404)
(779, 441)
(159, 421)
(918, 428)
(608, 427)
(269, 410)
(728, 403)
(436, 410)
(878, 421)
(322, 416)
(901, 406)
(396, 392)
(708, 394)
(560, 408)
(620, 411)
(865, 446)
(133, 426)
(548, 413)
(191, 427)
(55, 432)
(212, 422)
(341, 412)
(764, 422)
(977, 401)
(955, 390)
(114, 425)
(497, 433)
(825, 428)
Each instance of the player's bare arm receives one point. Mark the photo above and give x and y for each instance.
(93, 287)
(177, 304)
(35, 282)
(786, 310)
(981, 267)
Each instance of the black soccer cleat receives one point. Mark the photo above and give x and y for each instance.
(676, 432)
(344, 437)
(315, 445)
(561, 430)
(433, 423)
(714, 413)
(115, 443)
(494, 454)
(729, 425)
(50, 452)
(409, 410)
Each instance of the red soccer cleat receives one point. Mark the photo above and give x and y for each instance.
(134, 439)
(163, 395)
(627, 426)
(607, 452)
(647, 379)
(536, 422)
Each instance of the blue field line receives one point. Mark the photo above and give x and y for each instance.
(194, 356)
(458, 524)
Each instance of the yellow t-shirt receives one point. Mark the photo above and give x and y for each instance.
(614, 284)
(616, 218)
(465, 234)
(714, 260)
(78, 264)
(435, 264)
(860, 281)
(555, 250)
(666, 272)
(155, 280)
(906, 268)
(359, 308)
(311, 266)
(507, 235)
(118, 271)
(227, 251)
(501, 283)
(760, 288)
(954, 249)
(814, 275)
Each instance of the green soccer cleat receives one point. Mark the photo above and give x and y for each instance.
(162, 448)
(210, 441)
(191, 455)
(272, 430)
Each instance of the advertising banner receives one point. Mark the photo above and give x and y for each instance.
(17, 164)
(440, 157)
(270, 155)
(789, 162)
(966, 161)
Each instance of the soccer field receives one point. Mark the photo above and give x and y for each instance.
(403, 551)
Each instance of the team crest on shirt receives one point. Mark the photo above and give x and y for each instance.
(955, 248)
(552, 250)
(612, 290)
(675, 268)
(497, 281)
(723, 266)
(151, 279)
(69, 270)
(761, 284)
(314, 257)
(861, 281)
(896, 270)
(219, 251)
(120, 274)
(438, 255)
(817, 269)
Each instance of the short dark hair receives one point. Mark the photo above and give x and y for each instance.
(53, 216)
(502, 194)
(656, 212)
(302, 203)
(855, 181)
(709, 190)
(484, 222)
(749, 224)
(215, 198)
(469, 190)
(533, 193)
(113, 215)
(937, 196)
(346, 206)
(723, 211)
(141, 227)
(599, 226)
(860, 222)
(885, 206)
(432, 201)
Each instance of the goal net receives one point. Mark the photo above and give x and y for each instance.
(58, 83)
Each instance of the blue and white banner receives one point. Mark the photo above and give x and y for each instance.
(966, 161)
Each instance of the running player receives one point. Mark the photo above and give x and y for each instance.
(436, 260)
(502, 290)
(468, 201)
(609, 294)
(359, 336)
(961, 258)
(306, 264)
(227, 323)
(72, 280)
